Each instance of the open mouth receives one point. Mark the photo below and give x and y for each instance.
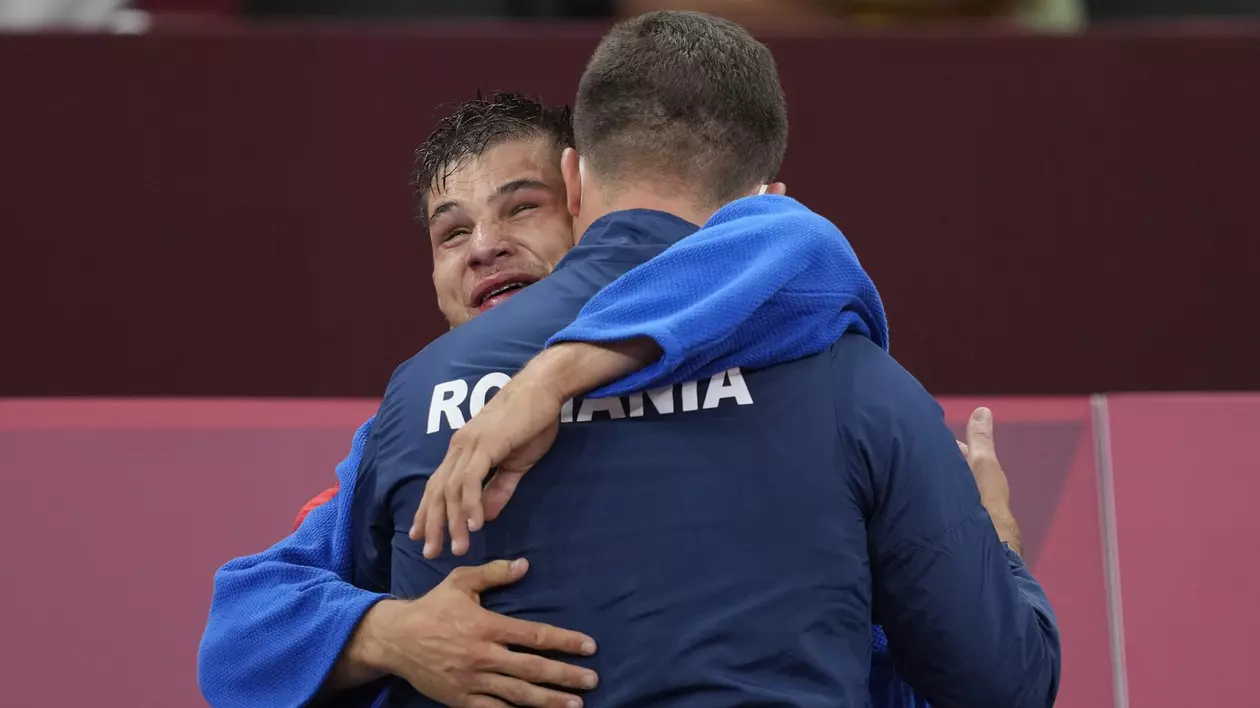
(500, 293)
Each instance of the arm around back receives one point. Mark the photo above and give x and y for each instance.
(968, 625)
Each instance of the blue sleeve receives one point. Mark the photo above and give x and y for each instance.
(765, 282)
(967, 624)
(279, 619)
(887, 689)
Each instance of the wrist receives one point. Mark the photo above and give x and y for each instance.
(573, 368)
(554, 372)
(1006, 526)
(371, 652)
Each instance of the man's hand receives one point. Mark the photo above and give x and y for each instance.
(511, 433)
(455, 652)
(995, 491)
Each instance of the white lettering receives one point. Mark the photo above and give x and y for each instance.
(690, 397)
(727, 384)
(451, 400)
(490, 381)
(612, 406)
(662, 400)
(447, 396)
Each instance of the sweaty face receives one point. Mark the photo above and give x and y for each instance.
(498, 225)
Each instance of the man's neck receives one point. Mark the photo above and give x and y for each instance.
(596, 207)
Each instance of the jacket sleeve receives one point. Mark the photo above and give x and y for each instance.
(783, 285)
(279, 619)
(968, 626)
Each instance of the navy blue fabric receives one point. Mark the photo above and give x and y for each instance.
(729, 540)
(765, 280)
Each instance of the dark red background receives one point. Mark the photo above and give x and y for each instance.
(225, 212)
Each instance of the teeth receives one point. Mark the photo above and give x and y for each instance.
(503, 288)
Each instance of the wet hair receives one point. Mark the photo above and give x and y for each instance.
(476, 126)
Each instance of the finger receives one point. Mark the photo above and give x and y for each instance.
(432, 502)
(471, 463)
(477, 701)
(980, 432)
(778, 188)
(454, 513)
(536, 669)
(490, 575)
(474, 475)
(962, 447)
(535, 635)
(500, 490)
(420, 520)
(521, 693)
(434, 525)
(417, 522)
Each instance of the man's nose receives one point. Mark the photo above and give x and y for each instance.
(488, 245)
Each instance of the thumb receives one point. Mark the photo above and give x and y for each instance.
(490, 575)
(980, 432)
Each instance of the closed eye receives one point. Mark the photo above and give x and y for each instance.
(522, 207)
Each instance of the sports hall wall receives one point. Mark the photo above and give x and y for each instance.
(224, 226)
(227, 212)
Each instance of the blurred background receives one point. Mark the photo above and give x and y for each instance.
(209, 270)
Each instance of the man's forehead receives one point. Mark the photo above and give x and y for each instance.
(480, 178)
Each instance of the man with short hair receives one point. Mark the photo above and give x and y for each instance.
(650, 521)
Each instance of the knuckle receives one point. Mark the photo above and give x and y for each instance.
(985, 457)
(518, 692)
(539, 636)
(559, 674)
(481, 658)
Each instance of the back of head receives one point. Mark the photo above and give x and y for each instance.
(684, 99)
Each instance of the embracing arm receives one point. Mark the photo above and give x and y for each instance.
(764, 282)
(968, 625)
(279, 620)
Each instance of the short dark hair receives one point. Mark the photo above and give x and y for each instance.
(476, 126)
(686, 95)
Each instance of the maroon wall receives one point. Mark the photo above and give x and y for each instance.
(225, 213)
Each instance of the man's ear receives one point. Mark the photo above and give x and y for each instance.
(571, 171)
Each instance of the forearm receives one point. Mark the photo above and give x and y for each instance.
(572, 368)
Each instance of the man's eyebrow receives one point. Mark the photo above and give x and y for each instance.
(517, 185)
(504, 189)
(442, 209)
